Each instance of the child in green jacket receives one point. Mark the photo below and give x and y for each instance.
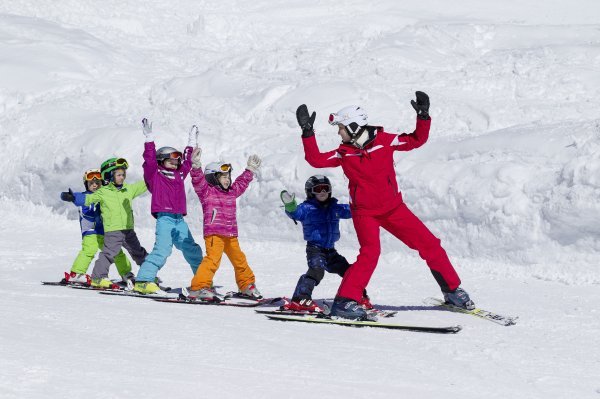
(115, 200)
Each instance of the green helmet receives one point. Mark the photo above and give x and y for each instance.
(111, 165)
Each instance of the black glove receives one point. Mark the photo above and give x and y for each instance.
(305, 121)
(67, 196)
(421, 105)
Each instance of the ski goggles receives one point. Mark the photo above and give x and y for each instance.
(119, 162)
(226, 167)
(321, 188)
(175, 155)
(96, 175)
(334, 119)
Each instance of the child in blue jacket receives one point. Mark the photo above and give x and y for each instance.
(320, 216)
(92, 233)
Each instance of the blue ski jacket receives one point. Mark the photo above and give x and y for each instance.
(321, 222)
(89, 217)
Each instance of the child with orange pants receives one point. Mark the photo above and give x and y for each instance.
(218, 198)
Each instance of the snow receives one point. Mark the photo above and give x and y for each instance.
(509, 180)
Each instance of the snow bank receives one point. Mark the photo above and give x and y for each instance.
(510, 172)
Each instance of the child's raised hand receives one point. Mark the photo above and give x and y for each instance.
(196, 155)
(193, 137)
(67, 196)
(253, 163)
(147, 130)
(289, 201)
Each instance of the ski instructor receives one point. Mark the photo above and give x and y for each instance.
(366, 157)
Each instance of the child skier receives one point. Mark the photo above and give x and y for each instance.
(92, 233)
(320, 216)
(218, 198)
(366, 157)
(117, 216)
(164, 173)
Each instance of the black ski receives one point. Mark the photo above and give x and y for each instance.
(286, 312)
(322, 319)
(64, 283)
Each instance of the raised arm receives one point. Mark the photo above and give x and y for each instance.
(241, 183)
(150, 165)
(186, 166)
(316, 158)
(407, 142)
(198, 180)
(312, 154)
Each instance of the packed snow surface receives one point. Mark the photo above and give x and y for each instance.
(509, 180)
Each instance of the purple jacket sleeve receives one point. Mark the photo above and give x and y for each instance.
(150, 166)
(241, 183)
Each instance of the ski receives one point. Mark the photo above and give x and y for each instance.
(322, 319)
(64, 283)
(89, 287)
(287, 312)
(382, 313)
(262, 301)
(371, 312)
(131, 294)
(227, 302)
(484, 314)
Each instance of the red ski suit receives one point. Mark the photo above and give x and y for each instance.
(376, 202)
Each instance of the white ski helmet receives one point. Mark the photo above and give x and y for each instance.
(212, 171)
(352, 117)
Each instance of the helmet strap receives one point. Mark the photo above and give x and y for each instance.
(358, 139)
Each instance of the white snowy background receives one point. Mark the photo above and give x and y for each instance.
(509, 180)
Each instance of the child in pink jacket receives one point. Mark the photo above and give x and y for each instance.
(218, 198)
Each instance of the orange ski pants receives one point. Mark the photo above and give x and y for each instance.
(215, 246)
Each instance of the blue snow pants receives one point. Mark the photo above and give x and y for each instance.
(171, 230)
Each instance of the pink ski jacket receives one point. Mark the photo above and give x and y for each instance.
(219, 206)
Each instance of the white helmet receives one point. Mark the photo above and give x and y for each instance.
(214, 169)
(352, 117)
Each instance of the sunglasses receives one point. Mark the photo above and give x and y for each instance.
(321, 188)
(93, 176)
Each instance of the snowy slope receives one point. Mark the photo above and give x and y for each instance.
(509, 182)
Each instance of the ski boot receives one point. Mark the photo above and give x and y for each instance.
(347, 309)
(104, 283)
(206, 295)
(251, 291)
(459, 298)
(77, 278)
(148, 288)
(365, 302)
(302, 305)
